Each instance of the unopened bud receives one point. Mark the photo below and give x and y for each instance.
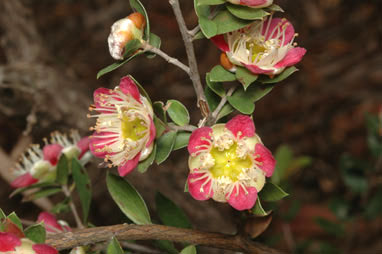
(226, 63)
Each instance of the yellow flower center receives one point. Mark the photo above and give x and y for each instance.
(132, 129)
(255, 49)
(228, 164)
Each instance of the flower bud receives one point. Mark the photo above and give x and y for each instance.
(226, 63)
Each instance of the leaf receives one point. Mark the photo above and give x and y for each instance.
(354, 173)
(189, 250)
(258, 209)
(169, 213)
(283, 75)
(226, 110)
(128, 199)
(226, 22)
(15, 220)
(272, 192)
(138, 6)
(212, 98)
(159, 111)
(258, 92)
(330, 227)
(36, 233)
(208, 27)
(144, 165)
(219, 74)
(242, 101)
(41, 194)
(211, 2)
(178, 112)
(245, 12)
(373, 208)
(83, 188)
(2, 214)
(199, 35)
(160, 127)
(217, 87)
(186, 187)
(245, 77)
(114, 247)
(154, 41)
(181, 140)
(296, 165)
(116, 65)
(255, 226)
(61, 207)
(165, 145)
(283, 157)
(274, 7)
(62, 170)
(37, 185)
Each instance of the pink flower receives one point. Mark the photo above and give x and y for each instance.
(228, 163)
(252, 3)
(10, 243)
(263, 47)
(125, 131)
(51, 223)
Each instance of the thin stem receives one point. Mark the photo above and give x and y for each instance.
(125, 232)
(72, 206)
(194, 72)
(214, 115)
(169, 59)
(189, 128)
(194, 31)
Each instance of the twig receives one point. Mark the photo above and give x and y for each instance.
(194, 72)
(169, 59)
(213, 117)
(189, 128)
(156, 232)
(194, 31)
(72, 206)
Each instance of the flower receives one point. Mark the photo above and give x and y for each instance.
(125, 131)
(12, 244)
(263, 47)
(51, 224)
(228, 163)
(123, 31)
(252, 3)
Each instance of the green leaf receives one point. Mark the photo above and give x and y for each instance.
(374, 206)
(178, 112)
(226, 110)
(159, 111)
(211, 2)
(272, 192)
(245, 12)
(141, 89)
(2, 214)
(154, 41)
(245, 77)
(165, 145)
(283, 157)
(226, 22)
(36, 233)
(42, 193)
(61, 207)
(330, 227)
(138, 6)
(258, 209)
(199, 35)
(186, 187)
(219, 74)
(160, 127)
(62, 170)
(16, 220)
(242, 101)
(114, 247)
(181, 140)
(33, 186)
(144, 165)
(208, 27)
(212, 98)
(169, 213)
(354, 173)
(258, 92)
(189, 250)
(283, 75)
(166, 246)
(274, 7)
(116, 65)
(217, 87)
(83, 188)
(128, 199)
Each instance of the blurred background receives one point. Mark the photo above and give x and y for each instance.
(323, 123)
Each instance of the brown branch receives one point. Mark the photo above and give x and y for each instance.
(157, 232)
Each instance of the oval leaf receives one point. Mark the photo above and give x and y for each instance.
(258, 209)
(144, 165)
(242, 101)
(245, 77)
(219, 74)
(226, 22)
(217, 87)
(283, 75)
(154, 41)
(178, 112)
(114, 247)
(181, 140)
(62, 170)
(245, 12)
(189, 250)
(210, 2)
(36, 233)
(165, 145)
(271, 192)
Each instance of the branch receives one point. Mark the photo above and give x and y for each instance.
(156, 232)
(72, 206)
(194, 72)
(189, 128)
(213, 117)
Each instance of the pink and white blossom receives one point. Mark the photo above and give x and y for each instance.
(263, 47)
(252, 3)
(11, 244)
(228, 163)
(124, 131)
(52, 225)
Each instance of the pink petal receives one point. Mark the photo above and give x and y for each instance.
(278, 22)
(23, 181)
(252, 2)
(98, 95)
(152, 132)
(128, 86)
(8, 242)
(199, 137)
(44, 249)
(266, 158)
(293, 56)
(52, 153)
(128, 166)
(83, 145)
(194, 187)
(50, 222)
(220, 42)
(243, 124)
(243, 201)
(97, 141)
(255, 69)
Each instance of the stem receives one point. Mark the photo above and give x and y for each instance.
(194, 72)
(156, 232)
(72, 206)
(189, 128)
(169, 59)
(213, 117)
(194, 31)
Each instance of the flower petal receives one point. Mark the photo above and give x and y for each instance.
(199, 137)
(220, 42)
(98, 141)
(128, 86)
(275, 23)
(83, 145)
(23, 181)
(52, 153)
(128, 166)
(243, 124)
(50, 222)
(266, 158)
(44, 249)
(152, 132)
(195, 186)
(242, 200)
(8, 242)
(293, 56)
(255, 69)
(98, 95)
(253, 3)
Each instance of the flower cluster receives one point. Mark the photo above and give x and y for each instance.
(252, 3)
(12, 244)
(228, 163)
(263, 47)
(39, 165)
(124, 131)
